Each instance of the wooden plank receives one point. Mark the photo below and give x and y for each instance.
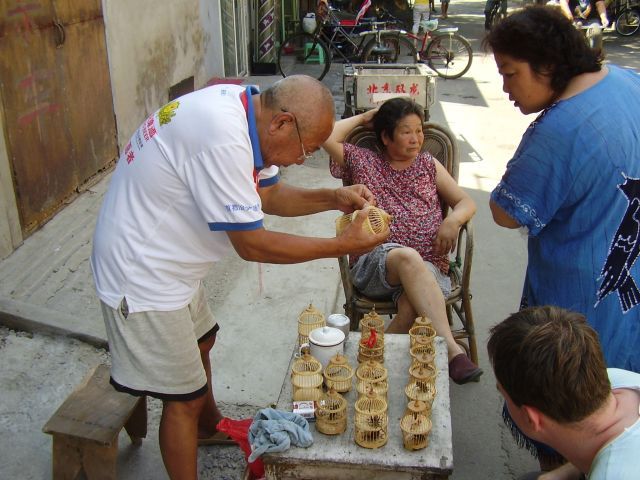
(344, 459)
(94, 411)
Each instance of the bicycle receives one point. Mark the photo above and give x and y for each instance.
(447, 52)
(627, 17)
(313, 53)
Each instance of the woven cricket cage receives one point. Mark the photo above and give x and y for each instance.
(331, 414)
(423, 331)
(338, 374)
(371, 320)
(372, 375)
(371, 347)
(379, 388)
(423, 373)
(415, 425)
(371, 421)
(306, 378)
(377, 220)
(310, 319)
(421, 321)
(417, 390)
(422, 352)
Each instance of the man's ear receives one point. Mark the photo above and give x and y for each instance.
(280, 121)
(535, 417)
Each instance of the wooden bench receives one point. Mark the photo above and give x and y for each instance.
(86, 426)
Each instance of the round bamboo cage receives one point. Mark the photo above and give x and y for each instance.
(310, 319)
(423, 373)
(371, 421)
(416, 426)
(371, 371)
(331, 414)
(377, 220)
(338, 374)
(426, 332)
(307, 394)
(379, 388)
(423, 391)
(421, 321)
(372, 320)
(422, 352)
(306, 375)
(371, 347)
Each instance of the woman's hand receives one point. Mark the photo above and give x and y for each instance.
(367, 117)
(353, 197)
(447, 237)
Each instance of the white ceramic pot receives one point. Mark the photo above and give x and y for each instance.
(325, 342)
(340, 321)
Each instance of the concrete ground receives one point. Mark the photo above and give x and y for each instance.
(53, 332)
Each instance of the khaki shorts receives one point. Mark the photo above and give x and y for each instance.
(156, 353)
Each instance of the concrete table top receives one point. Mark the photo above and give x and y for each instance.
(338, 457)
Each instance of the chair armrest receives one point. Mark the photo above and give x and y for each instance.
(464, 255)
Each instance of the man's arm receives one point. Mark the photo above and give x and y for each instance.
(288, 201)
(501, 217)
(275, 247)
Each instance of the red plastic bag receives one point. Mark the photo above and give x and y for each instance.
(238, 430)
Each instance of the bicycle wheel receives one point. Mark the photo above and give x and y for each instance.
(628, 22)
(304, 54)
(392, 48)
(450, 55)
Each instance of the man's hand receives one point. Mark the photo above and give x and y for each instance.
(357, 239)
(354, 197)
(447, 237)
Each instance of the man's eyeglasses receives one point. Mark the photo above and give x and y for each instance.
(305, 155)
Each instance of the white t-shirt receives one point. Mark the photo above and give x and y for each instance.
(188, 174)
(620, 458)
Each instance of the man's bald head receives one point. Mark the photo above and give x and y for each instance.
(308, 99)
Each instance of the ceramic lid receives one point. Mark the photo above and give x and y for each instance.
(326, 336)
(337, 319)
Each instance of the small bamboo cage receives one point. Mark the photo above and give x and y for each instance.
(371, 347)
(416, 426)
(372, 375)
(426, 332)
(307, 394)
(371, 421)
(422, 352)
(310, 319)
(331, 414)
(424, 391)
(306, 378)
(379, 388)
(377, 220)
(372, 320)
(338, 374)
(421, 321)
(423, 373)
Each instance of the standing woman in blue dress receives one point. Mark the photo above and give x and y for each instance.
(573, 184)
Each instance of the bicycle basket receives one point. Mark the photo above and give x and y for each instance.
(429, 25)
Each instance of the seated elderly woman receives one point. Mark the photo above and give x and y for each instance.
(407, 184)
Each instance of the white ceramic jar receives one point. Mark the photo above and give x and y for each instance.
(340, 321)
(325, 342)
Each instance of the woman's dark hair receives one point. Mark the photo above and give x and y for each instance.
(391, 112)
(544, 38)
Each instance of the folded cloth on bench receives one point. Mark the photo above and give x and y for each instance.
(276, 430)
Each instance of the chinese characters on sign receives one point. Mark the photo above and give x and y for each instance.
(400, 87)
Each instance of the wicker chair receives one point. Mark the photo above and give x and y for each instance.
(441, 143)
